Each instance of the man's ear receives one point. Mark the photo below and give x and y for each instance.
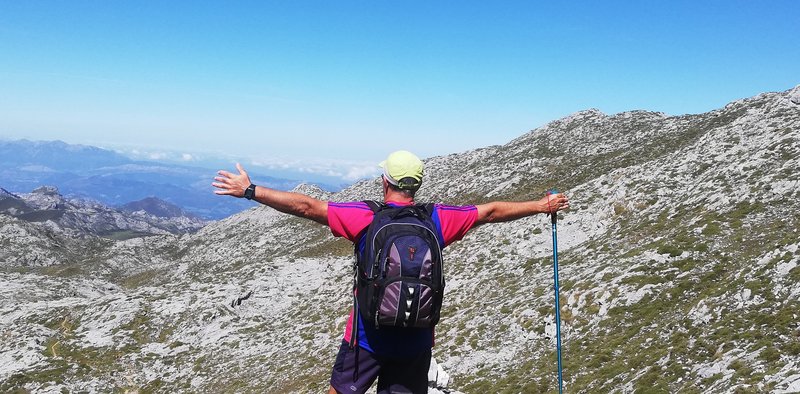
(385, 184)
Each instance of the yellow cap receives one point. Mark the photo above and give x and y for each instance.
(403, 169)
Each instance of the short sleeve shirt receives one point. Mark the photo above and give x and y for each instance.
(349, 220)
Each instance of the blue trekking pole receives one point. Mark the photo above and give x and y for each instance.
(553, 220)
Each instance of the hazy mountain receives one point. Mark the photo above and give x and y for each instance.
(89, 172)
(56, 156)
(156, 207)
(679, 273)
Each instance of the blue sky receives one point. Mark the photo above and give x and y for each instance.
(312, 83)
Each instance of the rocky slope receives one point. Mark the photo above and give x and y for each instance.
(679, 273)
(45, 230)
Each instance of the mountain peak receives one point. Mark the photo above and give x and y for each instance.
(586, 113)
(312, 190)
(794, 95)
(47, 191)
(45, 198)
(156, 207)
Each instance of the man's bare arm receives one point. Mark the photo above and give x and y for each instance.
(503, 211)
(295, 204)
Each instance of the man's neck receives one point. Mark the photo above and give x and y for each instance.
(397, 197)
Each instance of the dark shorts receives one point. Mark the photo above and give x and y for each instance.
(395, 375)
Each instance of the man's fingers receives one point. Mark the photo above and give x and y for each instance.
(226, 174)
(241, 169)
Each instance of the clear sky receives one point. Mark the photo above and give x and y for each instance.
(350, 81)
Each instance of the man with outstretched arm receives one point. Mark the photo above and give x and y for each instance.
(398, 358)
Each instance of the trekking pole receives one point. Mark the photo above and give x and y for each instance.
(553, 220)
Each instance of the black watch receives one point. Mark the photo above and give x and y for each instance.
(250, 192)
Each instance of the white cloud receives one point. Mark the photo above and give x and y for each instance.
(355, 173)
(187, 157)
(345, 170)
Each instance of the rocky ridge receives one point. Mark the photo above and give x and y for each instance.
(679, 268)
(46, 204)
(156, 207)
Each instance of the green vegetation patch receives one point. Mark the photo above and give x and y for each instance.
(143, 278)
(122, 235)
(63, 270)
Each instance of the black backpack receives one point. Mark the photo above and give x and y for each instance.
(398, 269)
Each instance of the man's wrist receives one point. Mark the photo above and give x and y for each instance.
(250, 192)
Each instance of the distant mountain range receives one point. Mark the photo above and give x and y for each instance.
(89, 172)
(149, 216)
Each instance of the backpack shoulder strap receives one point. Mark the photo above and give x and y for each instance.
(375, 206)
(428, 208)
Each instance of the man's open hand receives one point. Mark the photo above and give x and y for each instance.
(232, 184)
